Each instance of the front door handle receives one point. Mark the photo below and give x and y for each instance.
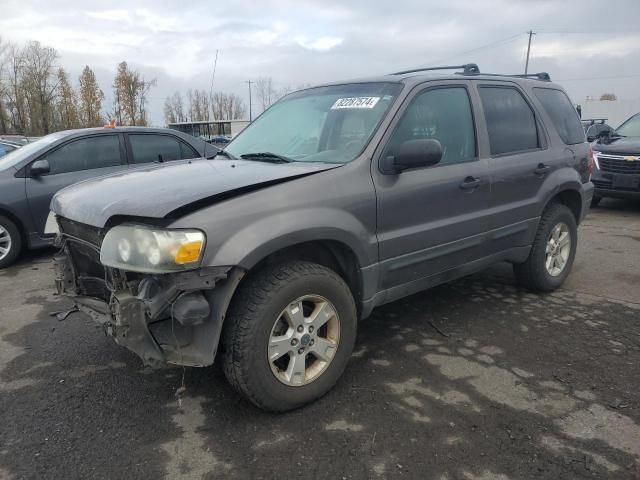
(470, 183)
(542, 169)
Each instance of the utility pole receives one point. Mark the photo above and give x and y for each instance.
(250, 117)
(526, 65)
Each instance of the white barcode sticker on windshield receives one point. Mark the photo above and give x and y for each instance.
(355, 102)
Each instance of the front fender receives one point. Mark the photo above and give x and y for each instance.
(246, 247)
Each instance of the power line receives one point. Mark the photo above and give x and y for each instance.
(614, 77)
(488, 45)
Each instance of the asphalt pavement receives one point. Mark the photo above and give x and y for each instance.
(473, 380)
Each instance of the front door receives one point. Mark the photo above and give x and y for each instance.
(72, 162)
(432, 219)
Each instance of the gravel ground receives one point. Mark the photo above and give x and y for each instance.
(476, 379)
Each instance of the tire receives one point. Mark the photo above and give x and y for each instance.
(258, 309)
(10, 242)
(595, 201)
(534, 273)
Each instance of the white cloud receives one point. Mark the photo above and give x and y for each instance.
(321, 44)
(111, 15)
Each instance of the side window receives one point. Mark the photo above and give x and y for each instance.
(186, 151)
(443, 114)
(563, 115)
(510, 120)
(149, 148)
(85, 154)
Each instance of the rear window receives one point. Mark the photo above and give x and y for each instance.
(510, 120)
(563, 115)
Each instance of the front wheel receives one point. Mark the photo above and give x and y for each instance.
(10, 242)
(595, 201)
(552, 252)
(289, 334)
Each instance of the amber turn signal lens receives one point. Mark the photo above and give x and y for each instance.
(188, 252)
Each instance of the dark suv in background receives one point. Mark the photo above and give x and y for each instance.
(31, 175)
(617, 159)
(336, 200)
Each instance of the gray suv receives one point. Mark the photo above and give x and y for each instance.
(336, 200)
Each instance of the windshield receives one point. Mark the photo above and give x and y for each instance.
(14, 158)
(327, 124)
(630, 128)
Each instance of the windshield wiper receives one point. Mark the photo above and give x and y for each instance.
(267, 157)
(222, 153)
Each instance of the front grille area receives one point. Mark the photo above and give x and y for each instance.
(89, 272)
(618, 164)
(90, 234)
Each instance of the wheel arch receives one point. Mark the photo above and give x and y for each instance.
(569, 196)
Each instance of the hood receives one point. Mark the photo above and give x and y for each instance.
(620, 146)
(159, 191)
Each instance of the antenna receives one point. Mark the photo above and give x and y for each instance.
(213, 75)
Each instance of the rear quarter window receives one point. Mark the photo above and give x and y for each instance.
(563, 116)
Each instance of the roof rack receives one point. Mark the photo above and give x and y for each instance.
(467, 69)
(473, 69)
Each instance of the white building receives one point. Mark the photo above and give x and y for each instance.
(211, 128)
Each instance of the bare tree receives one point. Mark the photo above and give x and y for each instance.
(198, 105)
(40, 84)
(66, 103)
(174, 109)
(90, 99)
(266, 92)
(227, 106)
(130, 96)
(15, 99)
(4, 120)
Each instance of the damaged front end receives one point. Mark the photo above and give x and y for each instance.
(169, 318)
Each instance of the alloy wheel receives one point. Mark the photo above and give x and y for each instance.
(5, 242)
(304, 340)
(558, 249)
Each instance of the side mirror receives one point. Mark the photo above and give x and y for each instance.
(591, 138)
(39, 167)
(417, 153)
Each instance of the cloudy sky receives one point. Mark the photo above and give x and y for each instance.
(590, 46)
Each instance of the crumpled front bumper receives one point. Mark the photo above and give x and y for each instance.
(164, 319)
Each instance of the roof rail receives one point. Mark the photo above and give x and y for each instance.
(544, 76)
(473, 69)
(467, 69)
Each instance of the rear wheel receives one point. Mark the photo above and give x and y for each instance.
(289, 334)
(553, 250)
(10, 242)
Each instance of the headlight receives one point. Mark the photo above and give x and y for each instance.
(152, 250)
(595, 159)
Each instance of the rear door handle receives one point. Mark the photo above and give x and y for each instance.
(542, 169)
(470, 183)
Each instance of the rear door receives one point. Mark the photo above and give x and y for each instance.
(432, 219)
(519, 162)
(158, 148)
(69, 163)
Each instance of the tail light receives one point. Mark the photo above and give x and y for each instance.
(590, 162)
